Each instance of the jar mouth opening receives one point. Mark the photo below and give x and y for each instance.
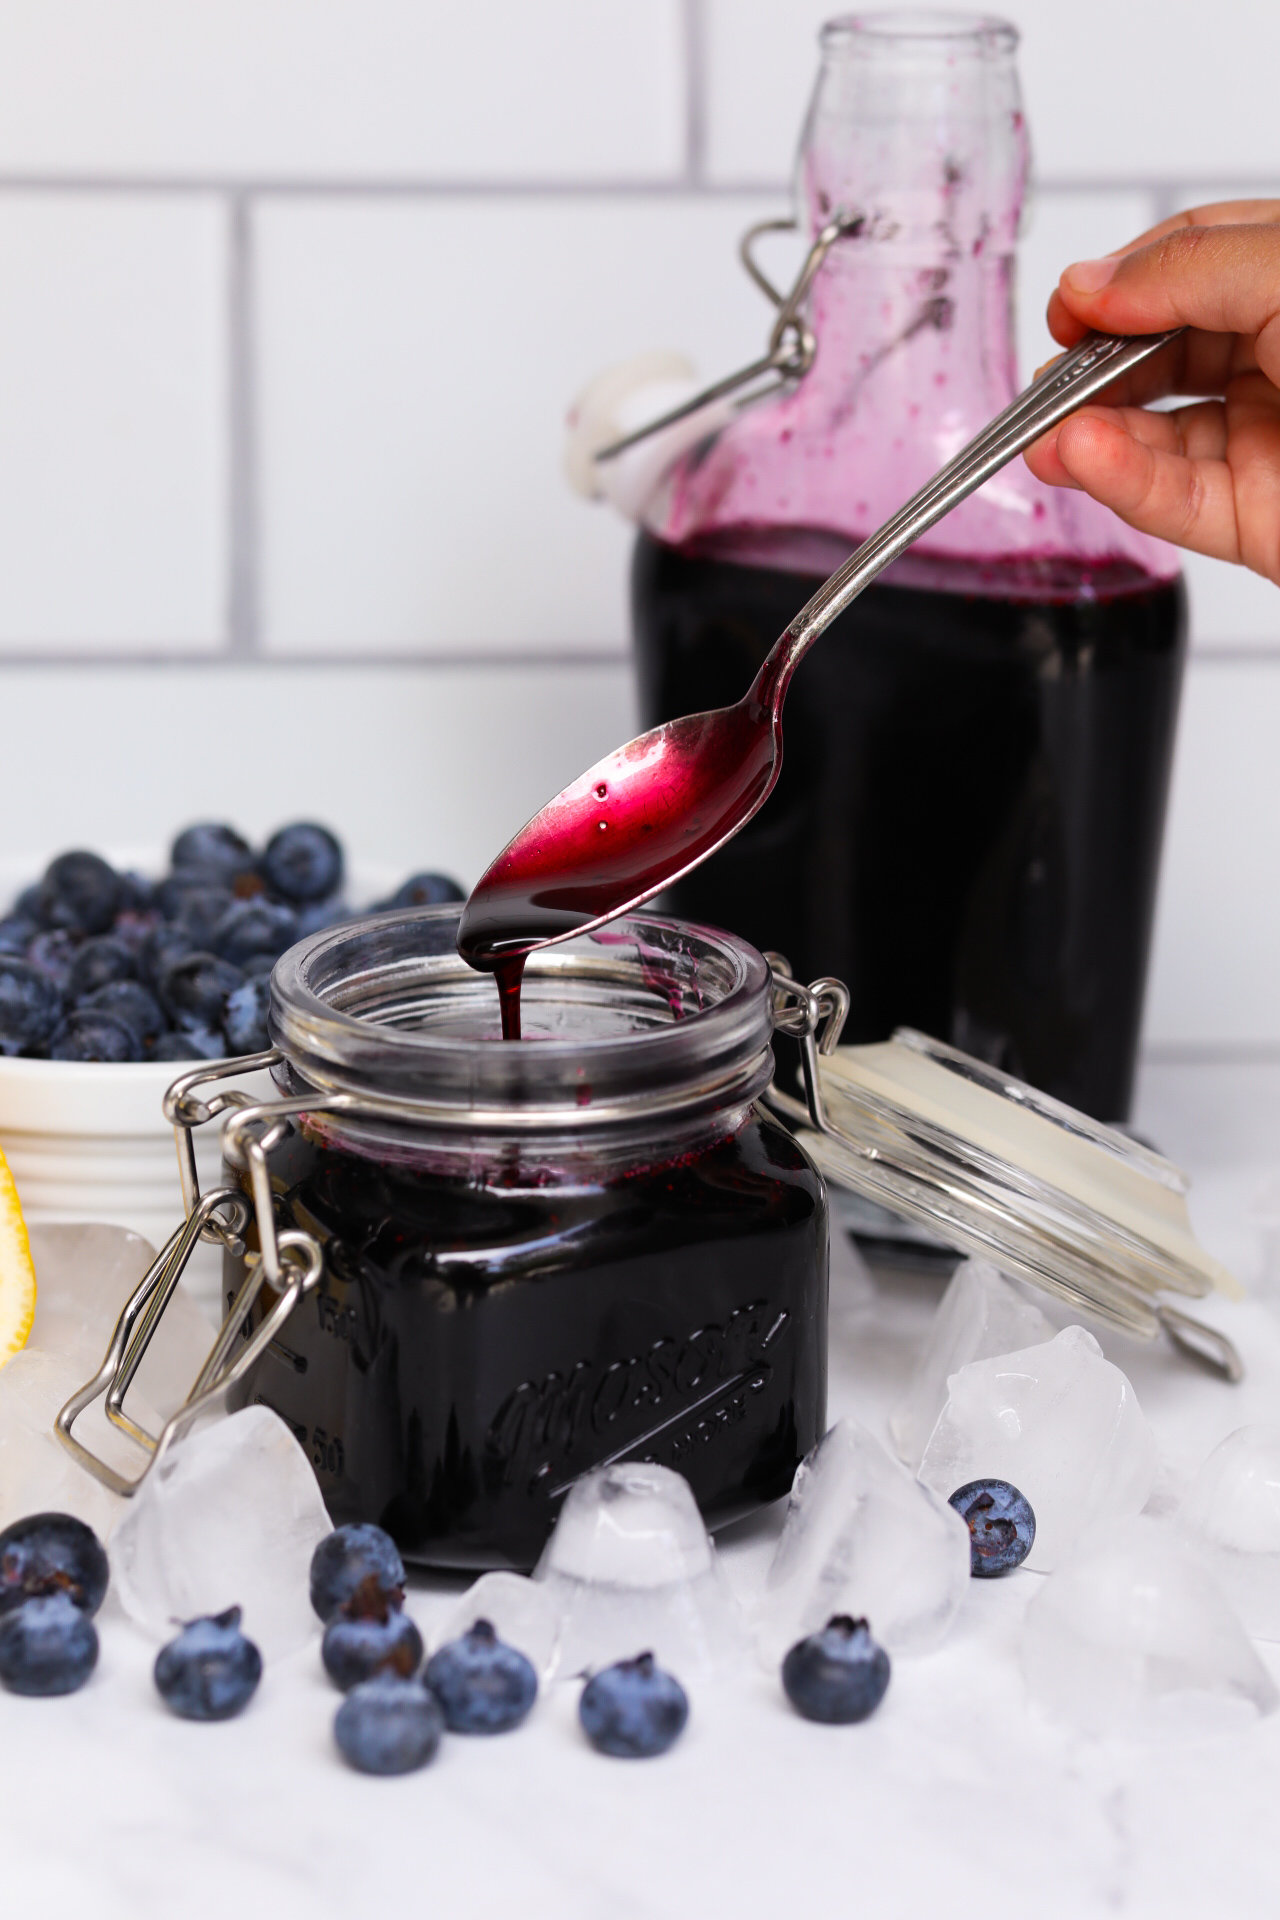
(950, 33)
(645, 1015)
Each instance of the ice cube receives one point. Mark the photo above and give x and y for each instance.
(980, 1314)
(1133, 1634)
(84, 1276)
(1059, 1422)
(863, 1537)
(1231, 1512)
(631, 1569)
(230, 1517)
(522, 1612)
(37, 1474)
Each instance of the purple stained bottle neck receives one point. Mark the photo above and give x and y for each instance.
(919, 125)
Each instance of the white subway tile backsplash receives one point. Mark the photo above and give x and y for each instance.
(1216, 958)
(113, 422)
(343, 88)
(1147, 90)
(1060, 227)
(417, 363)
(414, 767)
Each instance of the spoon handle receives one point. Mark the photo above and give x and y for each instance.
(1080, 374)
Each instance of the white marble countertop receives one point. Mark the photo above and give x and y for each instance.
(956, 1799)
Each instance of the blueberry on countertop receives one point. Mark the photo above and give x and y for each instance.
(211, 849)
(47, 1646)
(251, 927)
(194, 990)
(245, 1020)
(837, 1675)
(356, 1567)
(80, 893)
(483, 1685)
(425, 890)
(88, 1033)
(633, 1710)
(302, 863)
(30, 1006)
(130, 1001)
(358, 1646)
(1002, 1526)
(97, 963)
(47, 1553)
(211, 1670)
(388, 1725)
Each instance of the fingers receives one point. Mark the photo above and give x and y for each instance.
(1221, 280)
(1162, 473)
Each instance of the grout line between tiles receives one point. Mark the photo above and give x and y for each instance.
(242, 493)
(696, 91)
(483, 660)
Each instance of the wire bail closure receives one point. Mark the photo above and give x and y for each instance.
(289, 1263)
(792, 343)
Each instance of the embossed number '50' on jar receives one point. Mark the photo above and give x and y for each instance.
(584, 1246)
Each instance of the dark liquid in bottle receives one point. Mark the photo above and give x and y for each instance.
(471, 1349)
(967, 825)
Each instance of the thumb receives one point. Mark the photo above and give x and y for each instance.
(1218, 279)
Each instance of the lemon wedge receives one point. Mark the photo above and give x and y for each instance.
(17, 1274)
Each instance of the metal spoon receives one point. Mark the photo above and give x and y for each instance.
(654, 809)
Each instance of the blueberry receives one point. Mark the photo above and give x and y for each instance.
(633, 1710)
(210, 1671)
(355, 1564)
(190, 1043)
(53, 954)
(356, 1647)
(388, 1725)
(194, 991)
(79, 892)
(483, 1685)
(303, 863)
(250, 927)
(137, 894)
(196, 905)
(426, 890)
(16, 934)
(27, 904)
(30, 1006)
(211, 849)
(129, 1001)
(245, 1021)
(837, 1675)
(161, 949)
(47, 1646)
(52, 1553)
(1001, 1525)
(99, 961)
(89, 1033)
(134, 927)
(322, 914)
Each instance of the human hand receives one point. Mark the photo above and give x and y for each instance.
(1207, 475)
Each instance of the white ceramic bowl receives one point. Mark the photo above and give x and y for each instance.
(88, 1140)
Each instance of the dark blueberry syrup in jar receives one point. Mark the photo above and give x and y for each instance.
(594, 1246)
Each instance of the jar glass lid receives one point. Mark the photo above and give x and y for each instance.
(998, 1169)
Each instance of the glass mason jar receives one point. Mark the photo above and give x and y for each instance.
(588, 1245)
(967, 827)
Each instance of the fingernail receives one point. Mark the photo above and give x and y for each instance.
(1087, 276)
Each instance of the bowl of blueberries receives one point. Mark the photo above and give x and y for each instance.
(113, 976)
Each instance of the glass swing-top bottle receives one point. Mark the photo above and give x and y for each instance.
(967, 827)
